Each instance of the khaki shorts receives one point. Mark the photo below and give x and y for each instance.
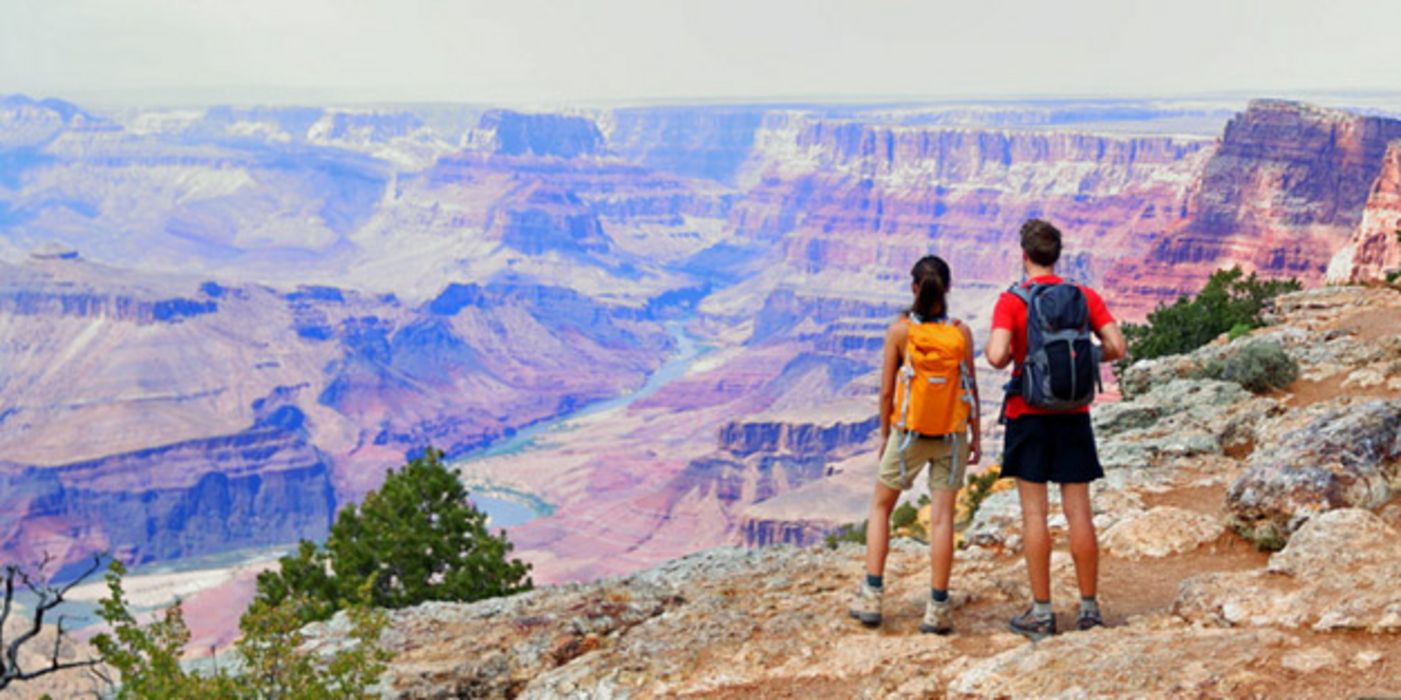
(933, 451)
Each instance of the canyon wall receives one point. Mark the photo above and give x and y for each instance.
(1375, 250)
(265, 485)
(698, 142)
(848, 198)
(1283, 193)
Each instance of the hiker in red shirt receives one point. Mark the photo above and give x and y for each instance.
(1052, 441)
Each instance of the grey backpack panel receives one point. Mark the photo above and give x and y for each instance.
(1061, 371)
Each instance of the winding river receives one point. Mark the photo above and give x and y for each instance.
(505, 507)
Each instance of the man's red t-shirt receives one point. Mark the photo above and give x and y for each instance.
(1010, 313)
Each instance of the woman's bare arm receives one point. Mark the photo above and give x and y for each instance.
(890, 367)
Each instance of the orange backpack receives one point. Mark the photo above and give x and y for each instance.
(934, 395)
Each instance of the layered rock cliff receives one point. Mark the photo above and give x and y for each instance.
(711, 143)
(1375, 249)
(1283, 193)
(766, 455)
(861, 199)
(261, 486)
(515, 134)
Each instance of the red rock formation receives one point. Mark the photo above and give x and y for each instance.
(847, 197)
(1376, 248)
(1283, 193)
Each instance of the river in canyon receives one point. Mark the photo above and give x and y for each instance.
(506, 507)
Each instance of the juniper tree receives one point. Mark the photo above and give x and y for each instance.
(419, 538)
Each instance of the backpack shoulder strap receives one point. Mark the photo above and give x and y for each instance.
(1024, 293)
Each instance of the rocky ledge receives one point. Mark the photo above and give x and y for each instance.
(772, 622)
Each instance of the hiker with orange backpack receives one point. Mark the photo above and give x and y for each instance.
(1044, 325)
(928, 417)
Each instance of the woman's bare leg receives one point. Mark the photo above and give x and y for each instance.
(878, 528)
(941, 537)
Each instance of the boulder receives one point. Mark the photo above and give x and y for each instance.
(1159, 532)
(1336, 542)
(1309, 660)
(1338, 572)
(1113, 662)
(1180, 418)
(1142, 376)
(1339, 454)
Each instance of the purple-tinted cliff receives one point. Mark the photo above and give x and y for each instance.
(1284, 192)
(1375, 249)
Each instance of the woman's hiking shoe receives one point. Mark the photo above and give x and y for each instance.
(1032, 627)
(938, 617)
(865, 605)
(1089, 620)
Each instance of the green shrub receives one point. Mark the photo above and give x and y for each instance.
(1230, 302)
(855, 533)
(270, 660)
(903, 515)
(1267, 537)
(418, 538)
(1260, 367)
(979, 488)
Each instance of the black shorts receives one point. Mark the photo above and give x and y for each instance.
(1053, 447)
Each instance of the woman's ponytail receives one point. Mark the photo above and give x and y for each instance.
(930, 303)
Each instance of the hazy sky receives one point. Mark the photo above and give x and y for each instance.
(526, 51)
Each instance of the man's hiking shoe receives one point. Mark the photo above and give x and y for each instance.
(1032, 627)
(938, 617)
(865, 605)
(1089, 620)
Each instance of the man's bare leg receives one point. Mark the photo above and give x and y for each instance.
(1084, 546)
(1039, 622)
(1036, 538)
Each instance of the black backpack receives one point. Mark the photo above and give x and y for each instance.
(1061, 371)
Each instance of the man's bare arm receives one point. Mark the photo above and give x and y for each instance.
(1113, 345)
(975, 451)
(999, 349)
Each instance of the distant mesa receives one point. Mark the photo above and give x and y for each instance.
(54, 250)
(542, 134)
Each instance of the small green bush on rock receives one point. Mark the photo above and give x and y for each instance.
(417, 538)
(904, 514)
(979, 488)
(1259, 367)
(855, 533)
(1230, 302)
